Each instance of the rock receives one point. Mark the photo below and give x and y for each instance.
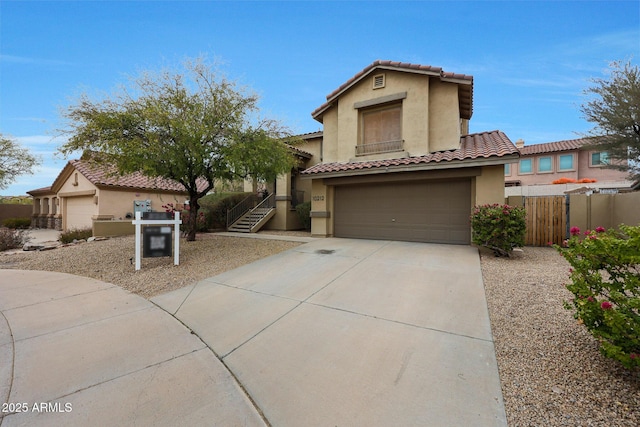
(32, 247)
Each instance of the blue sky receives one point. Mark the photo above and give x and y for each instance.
(530, 60)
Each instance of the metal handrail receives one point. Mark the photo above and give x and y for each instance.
(379, 147)
(269, 202)
(236, 212)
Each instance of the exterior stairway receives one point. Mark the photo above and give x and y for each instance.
(244, 218)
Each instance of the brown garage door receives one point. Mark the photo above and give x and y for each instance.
(425, 211)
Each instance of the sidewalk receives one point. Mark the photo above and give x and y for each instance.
(87, 352)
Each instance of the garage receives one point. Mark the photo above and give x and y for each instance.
(79, 212)
(423, 211)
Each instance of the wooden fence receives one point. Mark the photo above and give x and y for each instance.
(546, 220)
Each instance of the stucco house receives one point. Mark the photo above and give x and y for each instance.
(542, 164)
(84, 192)
(395, 160)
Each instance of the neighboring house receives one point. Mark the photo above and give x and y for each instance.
(542, 164)
(83, 192)
(395, 160)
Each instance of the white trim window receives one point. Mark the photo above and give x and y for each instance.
(525, 167)
(599, 159)
(545, 164)
(566, 162)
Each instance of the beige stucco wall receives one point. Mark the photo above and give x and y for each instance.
(117, 203)
(423, 118)
(321, 209)
(444, 116)
(488, 187)
(625, 209)
(604, 210)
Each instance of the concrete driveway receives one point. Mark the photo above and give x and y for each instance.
(354, 332)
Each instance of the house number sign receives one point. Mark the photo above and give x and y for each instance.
(318, 198)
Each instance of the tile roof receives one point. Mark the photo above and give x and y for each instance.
(39, 191)
(102, 176)
(484, 145)
(550, 147)
(466, 89)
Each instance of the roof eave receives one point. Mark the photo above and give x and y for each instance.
(451, 164)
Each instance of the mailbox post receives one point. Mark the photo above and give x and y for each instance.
(139, 222)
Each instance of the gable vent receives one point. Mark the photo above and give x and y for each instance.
(378, 81)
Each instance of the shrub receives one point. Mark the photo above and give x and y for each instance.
(304, 213)
(605, 282)
(12, 239)
(75, 234)
(201, 221)
(216, 209)
(17, 223)
(498, 227)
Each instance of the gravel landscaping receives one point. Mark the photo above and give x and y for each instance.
(551, 371)
(112, 261)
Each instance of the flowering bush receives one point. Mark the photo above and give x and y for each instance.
(201, 221)
(605, 280)
(498, 227)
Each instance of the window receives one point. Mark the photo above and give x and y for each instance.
(545, 165)
(381, 130)
(566, 162)
(600, 158)
(525, 166)
(507, 169)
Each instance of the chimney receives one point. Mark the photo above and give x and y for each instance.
(520, 143)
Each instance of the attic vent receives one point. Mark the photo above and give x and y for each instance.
(378, 81)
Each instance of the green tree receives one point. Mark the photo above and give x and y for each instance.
(614, 108)
(189, 125)
(14, 161)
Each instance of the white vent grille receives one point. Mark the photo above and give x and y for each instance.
(378, 81)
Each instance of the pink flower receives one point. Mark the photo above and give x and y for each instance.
(606, 305)
(599, 229)
(593, 237)
(571, 270)
(574, 231)
(586, 233)
(549, 243)
(590, 299)
(634, 356)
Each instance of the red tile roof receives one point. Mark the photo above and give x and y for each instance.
(483, 145)
(466, 90)
(550, 147)
(102, 176)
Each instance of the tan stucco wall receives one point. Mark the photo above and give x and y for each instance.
(625, 209)
(321, 209)
(488, 187)
(604, 210)
(423, 118)
(117, 203)
(444, 116)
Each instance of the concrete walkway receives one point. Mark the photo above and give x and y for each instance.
(332, 332)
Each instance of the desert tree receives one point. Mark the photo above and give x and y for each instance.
(190, 125)
(613, 107)
(14, 161)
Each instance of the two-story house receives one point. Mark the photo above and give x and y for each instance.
(557, 167)
(396, 160)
